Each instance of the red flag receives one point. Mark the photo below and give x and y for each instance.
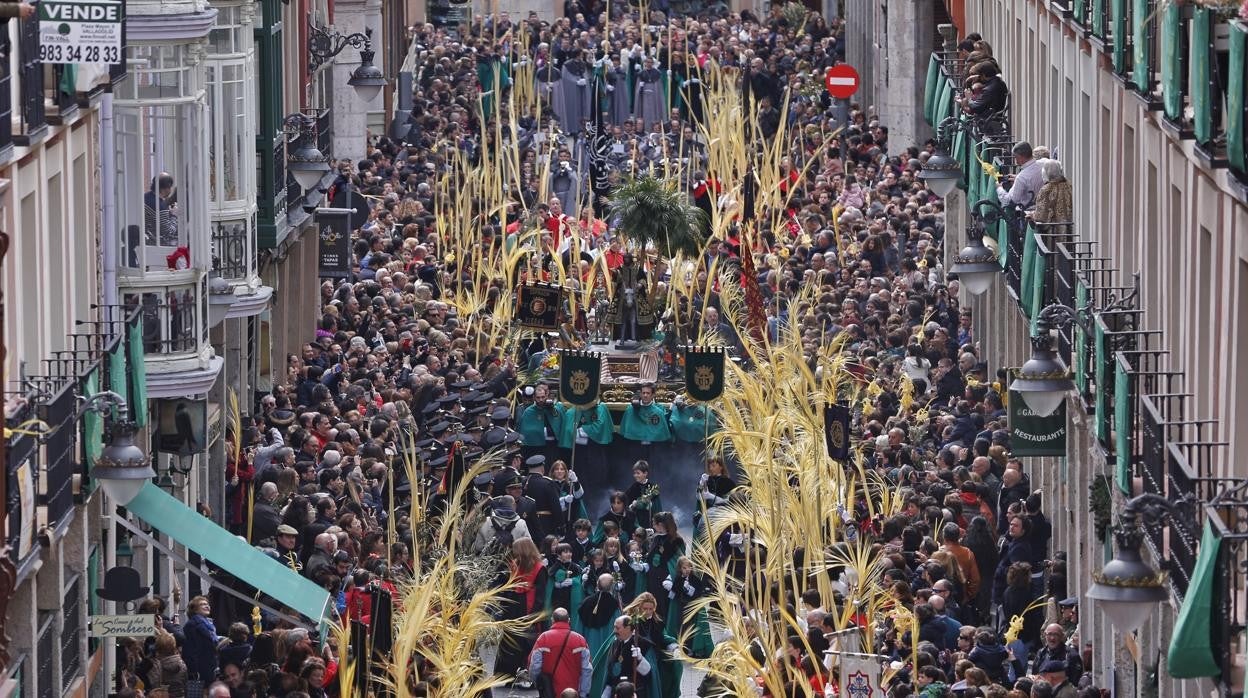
(755, 312)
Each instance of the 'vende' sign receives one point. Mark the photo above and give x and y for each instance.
(72, 31)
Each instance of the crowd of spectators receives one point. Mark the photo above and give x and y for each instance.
(392, 365)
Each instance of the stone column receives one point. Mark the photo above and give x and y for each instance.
(351, 113)
(908, 42)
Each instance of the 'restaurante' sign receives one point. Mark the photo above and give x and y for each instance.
(1032, 435)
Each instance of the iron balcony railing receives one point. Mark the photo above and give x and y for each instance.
(230, 250)
(172, 320)
(30, 88)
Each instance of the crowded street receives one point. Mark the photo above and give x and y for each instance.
(658, 349)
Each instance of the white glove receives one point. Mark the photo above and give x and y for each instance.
(581, 82)
(667, 584)
(736, 539)
(619, 586)
(706, 477)
(564, 501)
(610, 88)
(684, 84)
(638, 566)
(689, 589)
(585, 576)
(636, 652)
(572, 476)
(673, 648)
(565, 583)
(706, 496)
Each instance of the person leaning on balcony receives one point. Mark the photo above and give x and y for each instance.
(1053, 201)
(9, 8)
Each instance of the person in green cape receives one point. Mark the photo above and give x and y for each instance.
(649, 623)
(564, 589)
(597, 612)
(713, 489)
(571, 498)
(585, 435)
(643, 495)
(645, 420)
(692, 423)
(619, 515)
(628, 657)
(682, 589)
(666, 547)
(540, 423)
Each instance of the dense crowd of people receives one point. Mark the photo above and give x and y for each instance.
(393, 375)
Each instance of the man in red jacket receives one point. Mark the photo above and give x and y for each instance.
(560, 659)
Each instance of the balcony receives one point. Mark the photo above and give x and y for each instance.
(32, 118)
(179, 360)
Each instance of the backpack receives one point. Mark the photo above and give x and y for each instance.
(503, 536)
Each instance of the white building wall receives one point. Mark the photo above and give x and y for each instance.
(1156, 210)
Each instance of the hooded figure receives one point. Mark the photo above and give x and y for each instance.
(502, 523)
(619, 103)
(572, 106)
(650, 98)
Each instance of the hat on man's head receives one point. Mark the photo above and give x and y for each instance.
(500, 414)
(538, 461)
(1053, 666)
(1068, 603)
(281, 418)
(286, 530)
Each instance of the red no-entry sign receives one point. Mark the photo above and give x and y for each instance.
(841, 81)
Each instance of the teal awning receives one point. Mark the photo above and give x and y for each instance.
(230, 553)
(1191, 646)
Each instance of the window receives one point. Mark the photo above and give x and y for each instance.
(171, 318)
(229, 146)
(161, 151)
(232, 146)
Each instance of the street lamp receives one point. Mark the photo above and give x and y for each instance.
(1127, 588)
(941, 172)
(323, 45)
(122, 468)
(306, 162)
(1044, 380)
(976, 265)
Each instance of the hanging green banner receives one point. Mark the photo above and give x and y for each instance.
(580, 373)
(1033, 435)
(138, 371)
(1191, 654)
(704, 373)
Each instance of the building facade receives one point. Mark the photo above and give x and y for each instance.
(164, 255)
(1143, 103)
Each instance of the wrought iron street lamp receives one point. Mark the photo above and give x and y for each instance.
(1044, 380)
(941, 172)
(306, 162)
(976, 265)
(122, 468)
(323, 45)
(1127, 588)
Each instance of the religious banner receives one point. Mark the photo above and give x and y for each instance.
(1032, 435)
(836, 430)
(538, 306)
(580, 373)
(860, 675)
(704, 373)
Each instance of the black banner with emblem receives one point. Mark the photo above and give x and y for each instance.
(334, 243)
(538, 306)
(580, 373)
(836, 430)
(704, 373)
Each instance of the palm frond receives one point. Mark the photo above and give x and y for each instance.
(653, 212)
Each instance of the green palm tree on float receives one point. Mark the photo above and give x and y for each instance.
(653, 212)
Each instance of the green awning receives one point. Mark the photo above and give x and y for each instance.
(230, 553)
(1191, 646)
(932, 90)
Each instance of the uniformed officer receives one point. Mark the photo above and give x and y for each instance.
(545, 495)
